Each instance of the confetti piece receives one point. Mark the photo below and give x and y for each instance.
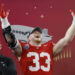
(67, 53)
(42, 16)
(35, 7)
(58, 57)
(64, 54)
(27, 13)
(70, 55)
(51, 6)
(61, 56)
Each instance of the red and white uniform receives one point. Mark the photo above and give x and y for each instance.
(37, 60)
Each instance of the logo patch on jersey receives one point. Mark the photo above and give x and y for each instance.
(26, 46)
(45, 45)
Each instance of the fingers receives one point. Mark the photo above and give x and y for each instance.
(72, 13)
(7, 13)
(3, 14)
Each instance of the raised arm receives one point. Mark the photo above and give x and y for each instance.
(13, 43)
(69, 36)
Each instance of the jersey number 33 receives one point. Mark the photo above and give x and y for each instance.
(37, 63)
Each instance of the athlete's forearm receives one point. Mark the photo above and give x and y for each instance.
(62, 43)
(7, 32)
(6, 28)
(70, 32)
(13, 43)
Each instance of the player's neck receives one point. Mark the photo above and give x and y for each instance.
(35, 44)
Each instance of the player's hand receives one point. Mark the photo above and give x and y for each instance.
(3, 14)
(73, 15)
(0, 46)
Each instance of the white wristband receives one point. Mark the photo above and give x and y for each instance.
(5, 23)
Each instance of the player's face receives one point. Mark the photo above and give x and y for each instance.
(36, 36)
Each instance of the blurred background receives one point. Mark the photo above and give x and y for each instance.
(51, 14)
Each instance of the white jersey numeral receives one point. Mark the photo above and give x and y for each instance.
(36, 61)
(47, 61)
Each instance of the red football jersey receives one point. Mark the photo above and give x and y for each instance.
(37, 60)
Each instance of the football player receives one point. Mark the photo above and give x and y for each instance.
(35, 58)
